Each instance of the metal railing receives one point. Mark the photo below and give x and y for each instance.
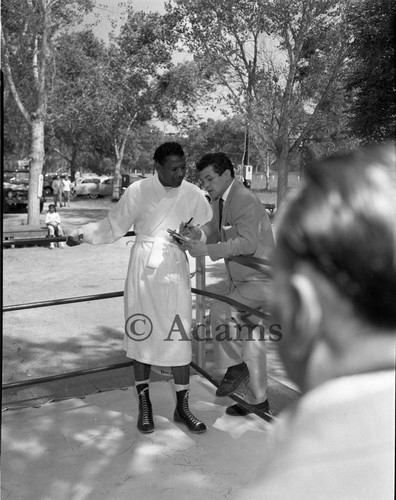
(200, 291)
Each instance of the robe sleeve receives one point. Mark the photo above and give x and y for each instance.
(203, 210)
(119, 220)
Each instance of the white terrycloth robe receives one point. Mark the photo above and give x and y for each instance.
(157, 299)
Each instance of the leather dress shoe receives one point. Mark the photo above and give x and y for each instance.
(240, 411)
(232, 381)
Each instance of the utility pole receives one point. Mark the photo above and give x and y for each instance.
(247, 170)
(246, 149)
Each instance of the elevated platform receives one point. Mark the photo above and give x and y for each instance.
(84, 445)
(89, 448)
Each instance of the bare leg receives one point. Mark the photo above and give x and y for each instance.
(141, 371)
(181, 374)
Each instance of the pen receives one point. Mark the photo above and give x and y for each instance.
(187, 223)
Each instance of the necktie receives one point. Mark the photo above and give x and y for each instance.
(221, 203)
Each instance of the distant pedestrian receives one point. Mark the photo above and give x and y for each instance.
(67, 183)
(57, 190)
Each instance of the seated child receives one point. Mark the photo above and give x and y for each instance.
(53, 223)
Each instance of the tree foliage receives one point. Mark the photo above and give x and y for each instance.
(75, 103)
(127, 87)
(295, 75)
(278, 61)
(179, 95)
(372, 69)
(29, 29)
(16, 144)
(89, 101)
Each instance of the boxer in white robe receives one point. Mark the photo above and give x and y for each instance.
(157, 299)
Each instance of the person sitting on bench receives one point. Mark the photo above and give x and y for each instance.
(53, 223)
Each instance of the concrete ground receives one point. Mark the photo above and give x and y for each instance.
(89, 449)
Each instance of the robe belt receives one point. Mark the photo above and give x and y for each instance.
(156, 254)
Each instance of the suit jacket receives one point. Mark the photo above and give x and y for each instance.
(245, 230)
(330, 445)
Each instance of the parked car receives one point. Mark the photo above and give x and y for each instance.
(16, 190)
(106, 187)
(128, 179)
(87, 186)
(94, 186)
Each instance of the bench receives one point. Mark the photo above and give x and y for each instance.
(29, 234)
(13, 234)
(270, 207)
(22, 231)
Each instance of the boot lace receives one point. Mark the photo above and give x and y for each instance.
(145, 410)
(187, 413)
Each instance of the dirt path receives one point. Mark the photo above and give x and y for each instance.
(67, 337)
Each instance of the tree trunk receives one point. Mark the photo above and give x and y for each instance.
(283, 173)
(245, 160)
(36, 169)
(117, 180)
(72, 163)
(119, 152)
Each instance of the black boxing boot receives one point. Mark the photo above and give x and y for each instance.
(145, 422)
(183, 414)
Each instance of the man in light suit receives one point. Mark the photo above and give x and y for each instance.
(240, 229)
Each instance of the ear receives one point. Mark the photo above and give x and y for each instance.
(307, 314)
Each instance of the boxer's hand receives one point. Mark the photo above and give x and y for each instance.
(76, 237)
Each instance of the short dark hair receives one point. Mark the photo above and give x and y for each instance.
(220, 162)
(341, 220)
(167, 149)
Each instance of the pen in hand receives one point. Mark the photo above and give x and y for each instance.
(187, 223)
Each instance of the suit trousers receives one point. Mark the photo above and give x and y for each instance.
(240, 336)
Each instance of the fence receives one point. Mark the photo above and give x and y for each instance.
(200, 291)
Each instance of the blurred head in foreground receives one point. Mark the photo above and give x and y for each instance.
(335, 268)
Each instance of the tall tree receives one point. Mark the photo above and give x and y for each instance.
(141, 52)
(16, 130)
(372, 69)
(29, 28)
(75, 103)
(277, 59)
(181, 96)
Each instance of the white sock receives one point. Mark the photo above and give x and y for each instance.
(141, 382)
(182, 387)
